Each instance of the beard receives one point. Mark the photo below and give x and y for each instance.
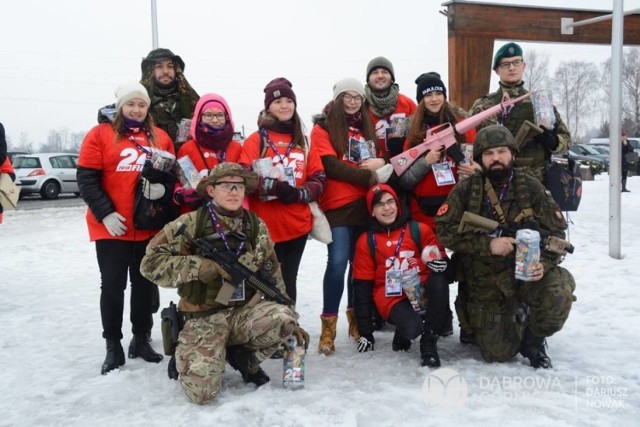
(498, 175)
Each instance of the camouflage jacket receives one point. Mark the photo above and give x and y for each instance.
(532, 155)
(476, 264)
(172, 262)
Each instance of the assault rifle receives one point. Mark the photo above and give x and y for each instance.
(240, 268)
(445, 136)
(473, 222)
(172, 323)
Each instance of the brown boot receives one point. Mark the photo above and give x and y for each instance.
(326, 345)
(353, 325)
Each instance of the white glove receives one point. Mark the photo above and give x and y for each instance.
(152, 191)
(114, 223)
(364, 345)
(437, 265)
(383, 173)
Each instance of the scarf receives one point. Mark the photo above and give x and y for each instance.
(212, 138)
(382, 105)
(132, 125)
(354, 120)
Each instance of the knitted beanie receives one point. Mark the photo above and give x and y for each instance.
(131, 90)
(380, 62)
(278, 88)
(346, 85)
(427, 83)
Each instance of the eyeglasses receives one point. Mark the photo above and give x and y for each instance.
(389, 203)
(228, 186)
(507, 64)
(211, 116)
(350, 98)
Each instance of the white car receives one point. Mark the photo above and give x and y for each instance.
(46, 173)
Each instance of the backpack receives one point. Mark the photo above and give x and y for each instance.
(414, 227)
(565, 184)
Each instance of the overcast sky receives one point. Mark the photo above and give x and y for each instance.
(62, 59)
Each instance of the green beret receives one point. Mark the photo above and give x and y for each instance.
(506, 51)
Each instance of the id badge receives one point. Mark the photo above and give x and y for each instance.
(443, 174)
(238, 293)
(289, 175)
(393, 283)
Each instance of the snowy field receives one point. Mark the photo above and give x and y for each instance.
(52, 349)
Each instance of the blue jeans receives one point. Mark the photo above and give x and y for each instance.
(340, 252)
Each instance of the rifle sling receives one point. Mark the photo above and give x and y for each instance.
(495, 202)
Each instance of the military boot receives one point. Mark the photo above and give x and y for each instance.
(533, 348)
(239, 357)
(115, 357)
(429, 349)
(400, 343)
(139, 346)
(353, 325)
(326, 345)
(172, 369)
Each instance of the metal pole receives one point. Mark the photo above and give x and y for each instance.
(615, 125)
(154, 25)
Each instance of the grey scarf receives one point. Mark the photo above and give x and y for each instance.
(382, 105)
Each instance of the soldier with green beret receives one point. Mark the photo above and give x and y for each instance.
(509, 65)
(246, 329)
(506, 315)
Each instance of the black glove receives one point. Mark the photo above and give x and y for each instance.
(438, 265)
(394, 145)
(549, 137)
(365, 343)
(286, 193)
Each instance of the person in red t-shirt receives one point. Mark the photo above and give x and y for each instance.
(291, 176)
(393, 271)
(113, 158)
(211, 143)
(430, 178)
(345, 140)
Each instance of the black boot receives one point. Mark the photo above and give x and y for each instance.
(467, 337)
(376, 320)
(139, 346)
(115, 357)
(400, 343)
(624, 186)
(446, 328)
(533, 348)
(239, 357)
(172, 370)
(429, 349)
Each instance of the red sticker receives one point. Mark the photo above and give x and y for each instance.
(413, 153)
(443, 209)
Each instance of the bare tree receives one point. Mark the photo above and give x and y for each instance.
(576, 84)
(536, 74)
(631, 90)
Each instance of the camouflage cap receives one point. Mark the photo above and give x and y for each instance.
(493, 136)
(228, 169)
(506, 51)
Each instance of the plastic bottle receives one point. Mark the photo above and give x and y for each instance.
(293, 365)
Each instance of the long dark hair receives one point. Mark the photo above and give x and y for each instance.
(417, 127)
(338, 129)
(120, 132)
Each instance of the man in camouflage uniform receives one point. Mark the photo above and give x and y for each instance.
(509, 65)
(172, 97)
(495, 297)
(246, 329)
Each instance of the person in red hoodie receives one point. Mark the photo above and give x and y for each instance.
(295, 177)
(391, 274)
(111, 162)
(345, 124)
(211, 143)
(430, 178)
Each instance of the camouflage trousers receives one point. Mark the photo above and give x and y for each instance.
(498, 324)
(202, 344)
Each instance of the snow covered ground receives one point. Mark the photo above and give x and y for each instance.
(51, 348)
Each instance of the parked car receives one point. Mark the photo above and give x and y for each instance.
(596, 165)
(12, 154)
(46, 173)
(586, 150)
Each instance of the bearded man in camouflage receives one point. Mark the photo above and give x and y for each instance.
(509, 65)
(172, 97)
(506, 315)
(247, 329)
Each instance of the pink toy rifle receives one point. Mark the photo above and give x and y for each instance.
(444, 135)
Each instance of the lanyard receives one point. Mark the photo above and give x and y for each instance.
(397, 251)
(145, 150)
(218, 226)
(275, 149)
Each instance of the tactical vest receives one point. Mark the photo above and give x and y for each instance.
(531, 156)
(196, 292)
